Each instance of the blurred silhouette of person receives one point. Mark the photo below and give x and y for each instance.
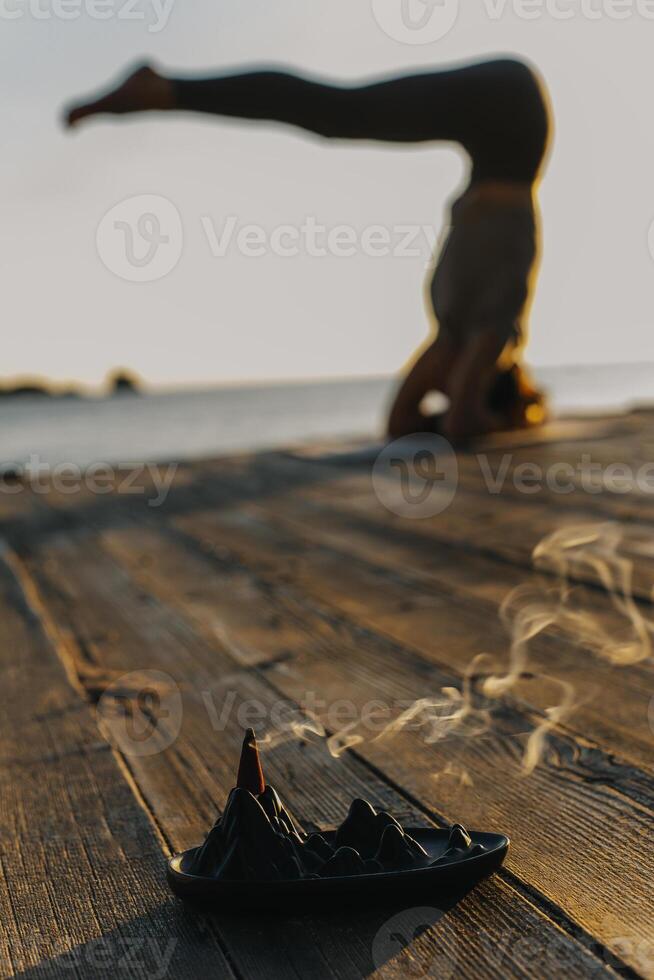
(482, 283)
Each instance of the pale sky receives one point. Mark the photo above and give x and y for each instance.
(219, 319)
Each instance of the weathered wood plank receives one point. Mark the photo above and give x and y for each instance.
(395, 585)
(505, 526)
(577, 794)
(82, 889)
(187, 782)
(147, 635)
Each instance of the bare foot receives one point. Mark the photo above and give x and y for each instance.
(143, 89)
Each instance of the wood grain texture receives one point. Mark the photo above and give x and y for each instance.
(446, 605)
(261, 579)
(147, 634)
(579, 793)
(502, 522)
(82, 891)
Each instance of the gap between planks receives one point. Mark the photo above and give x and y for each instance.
(148, 610)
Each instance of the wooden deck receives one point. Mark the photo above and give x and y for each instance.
(261, 582)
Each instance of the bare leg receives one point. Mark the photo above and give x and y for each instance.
(470, 383)
(494, 109)
(431, 372)
(464, 374)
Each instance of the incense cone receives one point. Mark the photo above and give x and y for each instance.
(250, 774)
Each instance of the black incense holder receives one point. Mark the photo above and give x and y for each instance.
(254, 857)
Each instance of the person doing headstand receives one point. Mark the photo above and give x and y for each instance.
(497, 111)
